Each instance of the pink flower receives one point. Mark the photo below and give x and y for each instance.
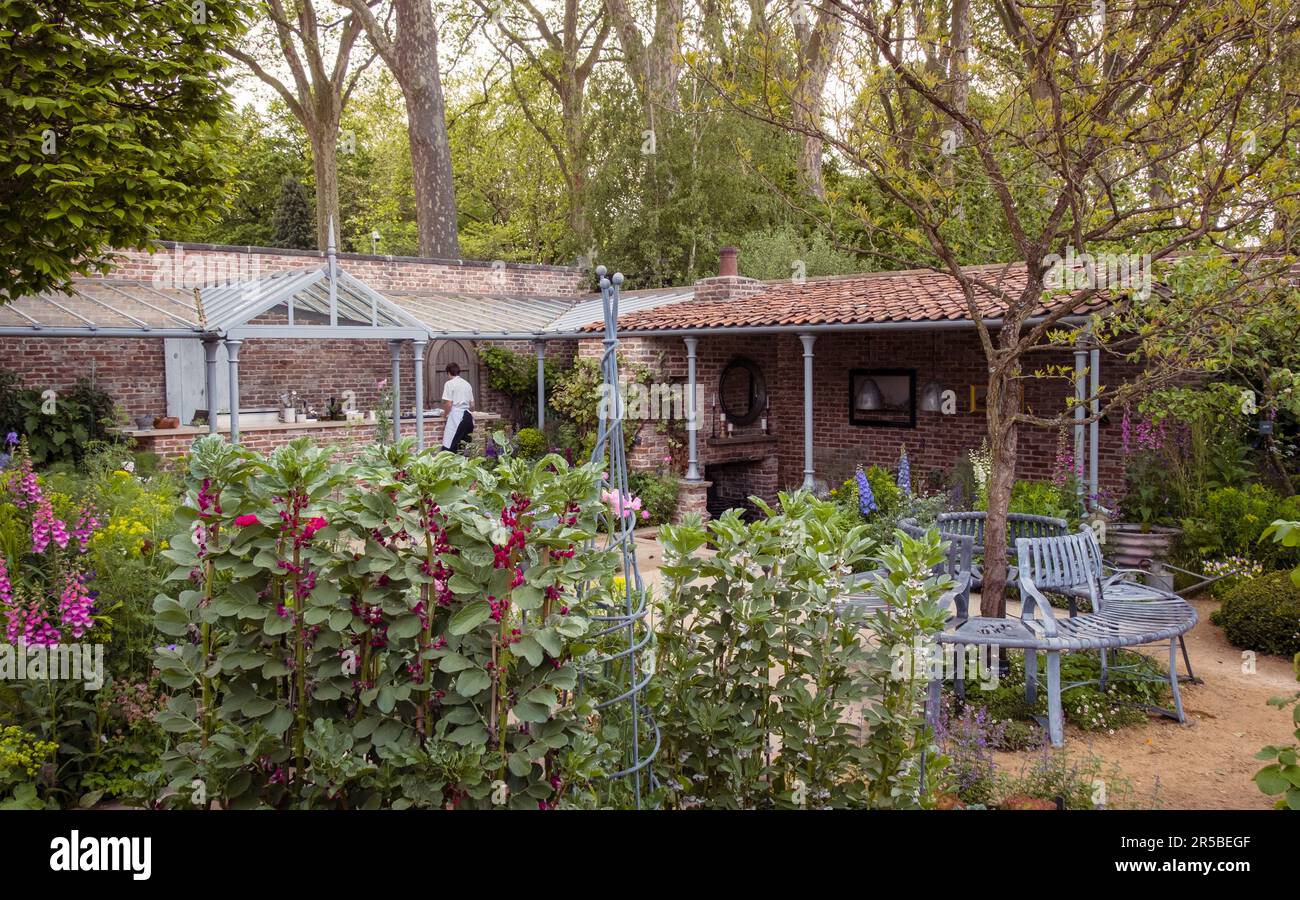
(381, 383)
(645, 514)
(75, 604)
(623, 505)
(245, 520)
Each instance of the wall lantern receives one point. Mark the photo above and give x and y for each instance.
(931, 397)
(869, 396)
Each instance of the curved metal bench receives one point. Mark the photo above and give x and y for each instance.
(1124, 614)
(957, 564)
(1019, 525)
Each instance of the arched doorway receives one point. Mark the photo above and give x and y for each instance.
(440, 354)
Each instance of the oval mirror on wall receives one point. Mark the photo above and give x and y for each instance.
(742, 392)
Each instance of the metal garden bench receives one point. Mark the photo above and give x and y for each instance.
(1018, 526)
(1124, 614)
(957, 564)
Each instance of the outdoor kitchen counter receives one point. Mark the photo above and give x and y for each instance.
(348, 438)
(296, 426)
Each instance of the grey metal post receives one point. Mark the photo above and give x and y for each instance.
(692, 414)
(539, 347)
(1080, 407)
(333, 276)
(232, 367)
(395, 350)
(1094, 375)
(807, 340)
(210, 382)
(418, 348)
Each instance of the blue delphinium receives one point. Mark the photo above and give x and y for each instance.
(866, 497)
(904, 473)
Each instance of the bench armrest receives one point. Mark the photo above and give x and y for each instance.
(1033, 601)
(957, 597)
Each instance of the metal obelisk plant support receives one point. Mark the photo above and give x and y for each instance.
(623, 628)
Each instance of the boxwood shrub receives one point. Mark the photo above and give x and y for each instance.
(1263, 614)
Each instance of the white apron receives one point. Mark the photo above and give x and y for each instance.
(453, 423)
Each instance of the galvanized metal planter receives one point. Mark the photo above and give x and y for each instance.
(1132, 545)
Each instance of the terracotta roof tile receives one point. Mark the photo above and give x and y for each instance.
(909, 296)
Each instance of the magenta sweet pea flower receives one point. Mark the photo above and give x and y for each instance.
(245, 520)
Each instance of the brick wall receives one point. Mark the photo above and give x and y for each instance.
(191, 265)
(347, 441)
(657, 445)
(318, 370)
(131, 370)
(937, 442)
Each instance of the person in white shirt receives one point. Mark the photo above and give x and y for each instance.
(457, 398)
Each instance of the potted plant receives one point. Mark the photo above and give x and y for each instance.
(1145, 536)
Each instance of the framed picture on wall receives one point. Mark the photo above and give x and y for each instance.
(882, 397)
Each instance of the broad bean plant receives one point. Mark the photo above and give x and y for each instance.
(400, 632)
(766, 697)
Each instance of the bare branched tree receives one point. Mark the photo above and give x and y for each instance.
(318, 89)
(1139, 131)
(409, 48)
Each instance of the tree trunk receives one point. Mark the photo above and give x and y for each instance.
(1004, 398)
(415, 55)
(324, 152)
(575, 141)
(816, 53)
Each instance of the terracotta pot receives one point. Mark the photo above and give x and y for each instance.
(1129, 546)
(166, 422)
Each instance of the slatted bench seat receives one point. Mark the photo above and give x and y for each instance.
(971, 524)
(862, 599)
(1123, 614)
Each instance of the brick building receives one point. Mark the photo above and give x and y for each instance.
(895, 361)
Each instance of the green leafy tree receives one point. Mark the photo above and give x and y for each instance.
(262, 147)
(108, 129)
(293, 218)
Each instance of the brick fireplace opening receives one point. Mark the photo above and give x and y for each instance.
(733, 483)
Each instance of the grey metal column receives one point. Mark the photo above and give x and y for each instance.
(418, 349)
(395, 350)
(1080, 407)
(807, 340)
(232, 367)
(692, 414)
(1094, 376)
(210, 382)
(539, 347)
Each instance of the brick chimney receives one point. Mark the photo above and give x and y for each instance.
(728, 284)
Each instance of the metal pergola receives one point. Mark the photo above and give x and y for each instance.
(321, 303)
